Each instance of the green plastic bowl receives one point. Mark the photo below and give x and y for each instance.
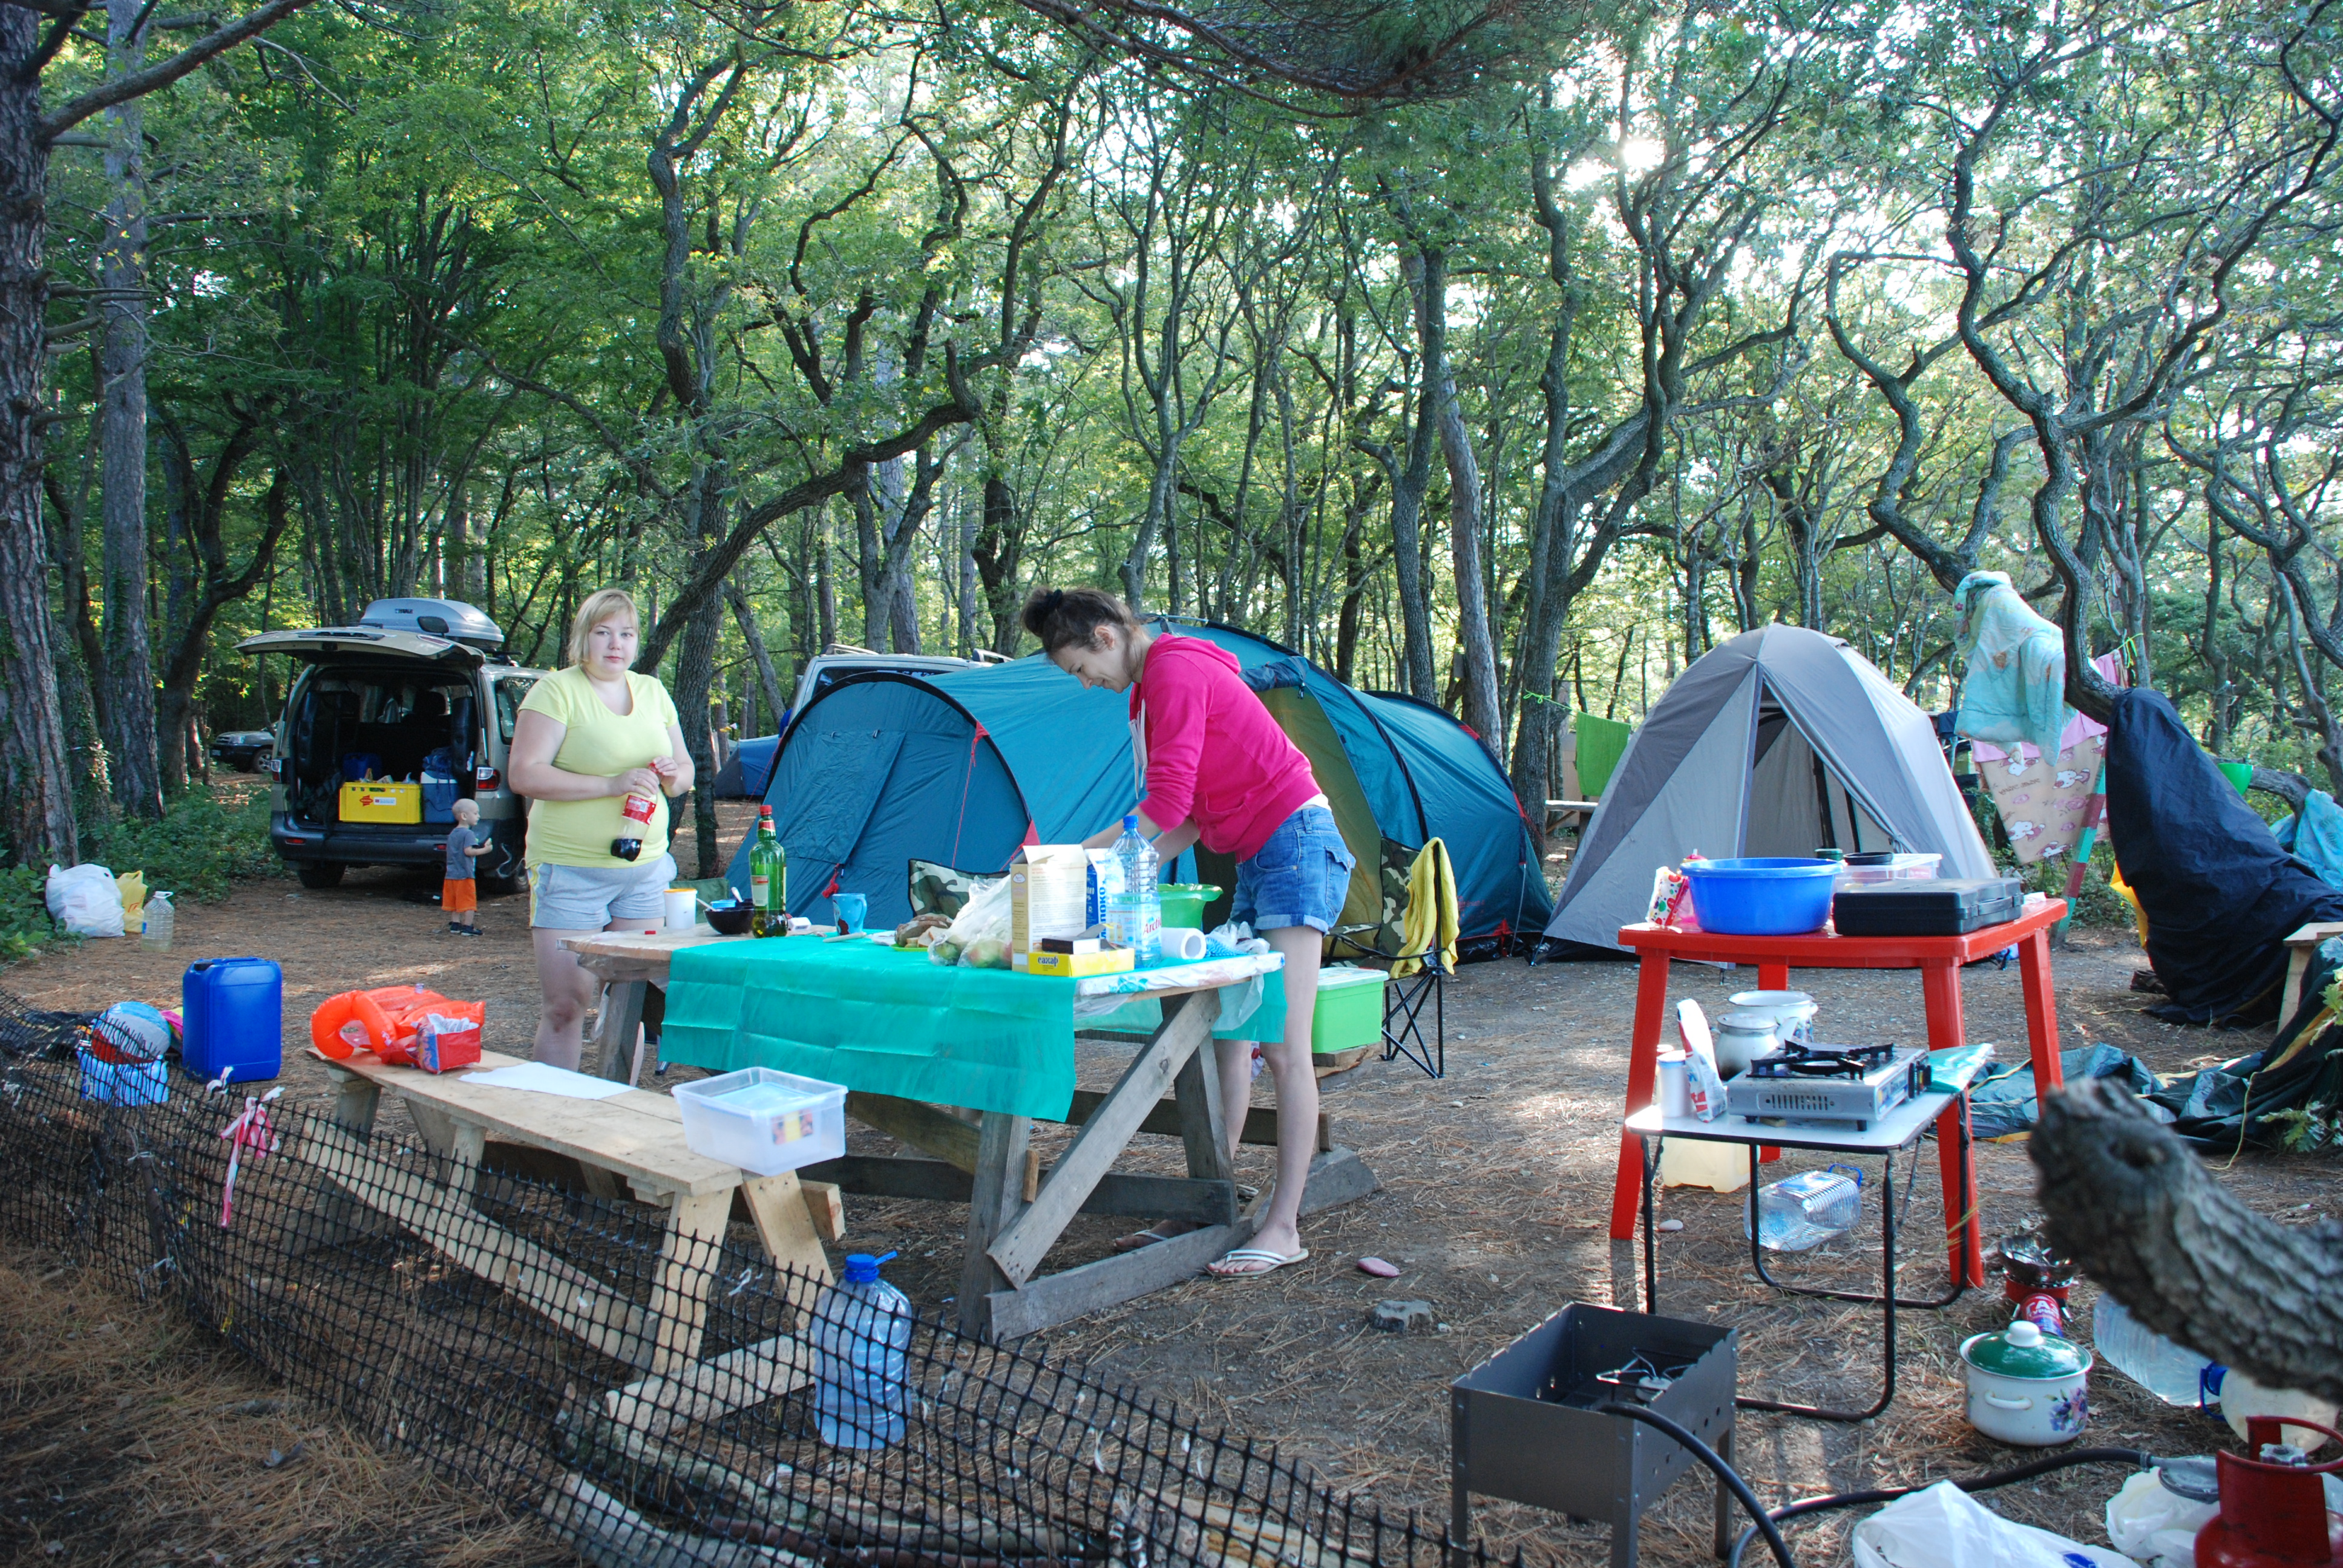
(1183, 903)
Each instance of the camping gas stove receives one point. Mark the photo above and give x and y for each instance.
(1836, 1083)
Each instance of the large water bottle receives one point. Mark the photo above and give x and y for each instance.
(1142, 922)
(2175, 1375)
(1806, 1210)
(862, 1337)
(155, 926)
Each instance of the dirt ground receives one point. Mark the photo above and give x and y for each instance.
(1495, 1193)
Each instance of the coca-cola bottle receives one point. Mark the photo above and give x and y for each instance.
(634, 818)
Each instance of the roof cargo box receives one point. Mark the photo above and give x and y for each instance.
(447, 618)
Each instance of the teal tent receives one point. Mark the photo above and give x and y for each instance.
(960, 769)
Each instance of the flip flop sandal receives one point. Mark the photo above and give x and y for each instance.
(1141, 1239)
(1271, 1262)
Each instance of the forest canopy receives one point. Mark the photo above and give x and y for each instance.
(1509, 355)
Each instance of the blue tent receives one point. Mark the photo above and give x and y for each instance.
(961, 768)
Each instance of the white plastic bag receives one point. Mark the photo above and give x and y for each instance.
(85, 900)
(1945, 1527)
(2154, 1526)
(979, 934)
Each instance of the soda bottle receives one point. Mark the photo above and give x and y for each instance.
(1141, 926)
(768, 880)
(634, 821)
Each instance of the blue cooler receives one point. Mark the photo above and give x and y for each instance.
(233, 1013)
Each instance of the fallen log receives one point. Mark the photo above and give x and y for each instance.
(2131, 1203)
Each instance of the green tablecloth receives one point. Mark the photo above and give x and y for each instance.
(876, 1020)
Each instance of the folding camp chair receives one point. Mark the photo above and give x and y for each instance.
(1417, 937)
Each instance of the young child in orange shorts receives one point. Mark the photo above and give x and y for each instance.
(458, 892)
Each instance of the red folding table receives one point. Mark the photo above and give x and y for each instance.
(1939, 961)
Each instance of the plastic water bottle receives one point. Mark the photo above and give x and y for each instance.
(2175, 1375)
(1806, 1210)
(154, 928)
(862, 1337)
(1141, 925)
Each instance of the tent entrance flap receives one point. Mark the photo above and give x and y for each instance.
(1798, 801)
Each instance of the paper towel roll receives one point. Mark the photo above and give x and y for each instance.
(1183, 943)
(682, 909)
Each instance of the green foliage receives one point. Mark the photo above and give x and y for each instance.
(24, 923)
(196, 849)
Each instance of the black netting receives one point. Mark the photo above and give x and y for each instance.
(537, 1343)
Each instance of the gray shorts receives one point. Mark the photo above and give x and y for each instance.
(588, 897)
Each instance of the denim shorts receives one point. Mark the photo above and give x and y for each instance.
(1299, 877)
(588, 897)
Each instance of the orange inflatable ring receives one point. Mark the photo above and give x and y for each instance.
(336, 1013)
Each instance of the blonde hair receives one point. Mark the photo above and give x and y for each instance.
(601, 604)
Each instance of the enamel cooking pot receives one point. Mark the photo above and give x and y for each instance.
(2026, 1387)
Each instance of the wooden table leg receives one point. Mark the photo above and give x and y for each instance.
(1019, 1246)
(621, 1017)
(1203, 1120)
(334, 1215)
(996, 1199)
(786, 1227)
(1940, 986)
(678, 1304)
(1642, 1079)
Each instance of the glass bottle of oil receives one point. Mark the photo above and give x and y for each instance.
(768, 880)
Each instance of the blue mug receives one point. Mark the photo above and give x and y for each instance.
(851, 908)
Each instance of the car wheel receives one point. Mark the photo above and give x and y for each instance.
(320, 873)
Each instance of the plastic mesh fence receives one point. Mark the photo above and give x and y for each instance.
(651, 1402)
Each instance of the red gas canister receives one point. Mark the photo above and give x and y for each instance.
(2274, 1507)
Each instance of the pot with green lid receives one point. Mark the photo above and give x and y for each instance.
(2026, 1387)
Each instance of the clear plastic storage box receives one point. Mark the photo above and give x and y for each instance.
(764, 1121)
(1874, 869)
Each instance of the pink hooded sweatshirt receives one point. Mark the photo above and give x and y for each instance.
(1210, 751)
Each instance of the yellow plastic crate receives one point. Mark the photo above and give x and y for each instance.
(376, 801)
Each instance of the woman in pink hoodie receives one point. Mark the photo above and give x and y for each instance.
(1220, 771)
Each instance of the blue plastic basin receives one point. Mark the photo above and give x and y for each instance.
(1762, 896)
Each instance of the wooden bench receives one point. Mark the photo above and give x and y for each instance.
(635, 1138)
(2299, 947)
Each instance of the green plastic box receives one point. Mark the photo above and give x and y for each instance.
(1350, 1011)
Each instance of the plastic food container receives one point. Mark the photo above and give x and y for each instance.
(1862, 870)
(764, 1121)
(1762, 896)
(1183, 902)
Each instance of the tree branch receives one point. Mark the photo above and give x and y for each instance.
(2131, 1203)
(140, 82)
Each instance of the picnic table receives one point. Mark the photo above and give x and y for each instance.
(1939, 961)
(633, 1137)
(981, 1155)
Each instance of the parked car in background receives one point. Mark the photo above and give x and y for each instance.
(419, 693)
(242, 749)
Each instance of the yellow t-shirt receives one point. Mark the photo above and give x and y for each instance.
(599, 742)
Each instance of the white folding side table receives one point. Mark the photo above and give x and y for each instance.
(1898, 1130)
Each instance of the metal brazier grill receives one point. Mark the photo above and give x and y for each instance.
(1523, 1425)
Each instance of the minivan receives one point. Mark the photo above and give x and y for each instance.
(419, 691)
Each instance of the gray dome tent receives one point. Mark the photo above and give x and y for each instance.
(1774, 743)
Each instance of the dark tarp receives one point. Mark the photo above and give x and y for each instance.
(2218, 893)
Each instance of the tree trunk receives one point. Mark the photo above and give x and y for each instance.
(776, 700)
(36, 803)
(2131, 1203)
(127, 671)
(1476, 649)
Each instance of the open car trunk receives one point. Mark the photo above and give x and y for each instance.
(382, 721)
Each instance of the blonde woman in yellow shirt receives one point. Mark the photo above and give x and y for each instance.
(586, 738)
